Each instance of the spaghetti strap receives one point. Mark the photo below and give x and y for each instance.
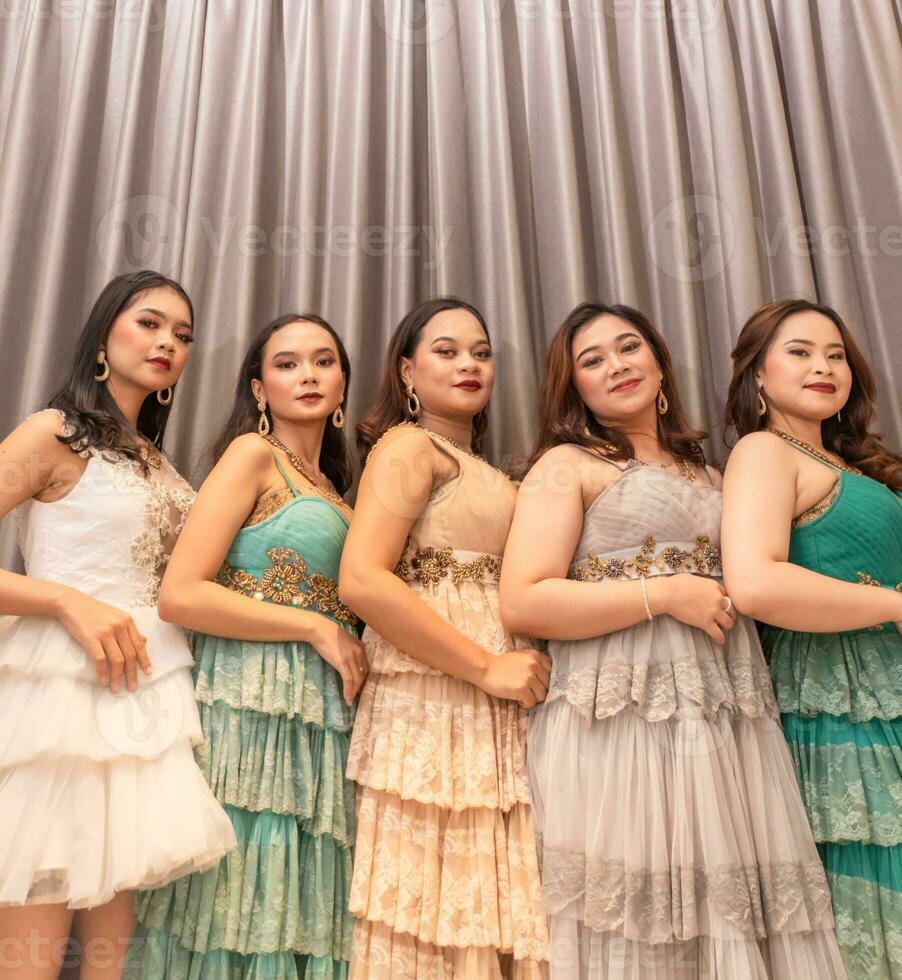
(291, 486)
(595, 454)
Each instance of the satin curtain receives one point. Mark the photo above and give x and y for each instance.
(694, 158)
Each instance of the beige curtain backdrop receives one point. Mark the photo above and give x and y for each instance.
(694, 158)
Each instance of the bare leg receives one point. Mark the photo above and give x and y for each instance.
(33, 941)
(103, 935)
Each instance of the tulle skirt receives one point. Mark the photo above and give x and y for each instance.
(99, 792)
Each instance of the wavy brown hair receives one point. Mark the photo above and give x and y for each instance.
(390, 406)
(848, 438)
(565, 418)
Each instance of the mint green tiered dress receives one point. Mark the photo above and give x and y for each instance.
(840, 697)
(276, 744)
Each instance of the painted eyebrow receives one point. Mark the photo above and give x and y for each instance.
(620, 336)
(162, 316)
(453, 341)
(810, 343)
(291, 353)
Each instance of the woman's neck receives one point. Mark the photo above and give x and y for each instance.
(305, 441)
(459, 431)
(805, 429)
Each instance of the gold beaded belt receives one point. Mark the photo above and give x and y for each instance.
(429, 566)
(703, 559)
(287, 583)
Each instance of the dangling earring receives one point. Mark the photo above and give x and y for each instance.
(165, 399)
(762, 404)
(338, 418)
(413, 403)
(105, 370)
(839, 416)
(663, 404)
(263, 421)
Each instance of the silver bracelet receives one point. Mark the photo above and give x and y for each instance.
(645, 598)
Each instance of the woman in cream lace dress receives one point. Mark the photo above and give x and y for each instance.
(445, 881)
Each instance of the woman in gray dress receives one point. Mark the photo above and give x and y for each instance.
(673, 838)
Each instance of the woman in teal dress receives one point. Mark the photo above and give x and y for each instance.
(812, 548)
(277, 667)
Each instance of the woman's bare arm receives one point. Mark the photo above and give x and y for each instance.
(394, 490)
(539, 599)
(759, 502)
(189, 594)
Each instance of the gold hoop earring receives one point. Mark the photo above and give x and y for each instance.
(338, 418)
(165, 399)
(762, 404)
(663, 404)
(413, 403)
(263, 422)
(105, 370)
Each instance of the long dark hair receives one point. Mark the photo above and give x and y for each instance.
(87, 403)
(334, 458)
(849, 437)
(390, 406)
(564, 416)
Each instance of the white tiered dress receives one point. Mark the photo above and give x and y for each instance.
(99, 792)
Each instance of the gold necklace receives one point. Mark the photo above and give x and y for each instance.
(329, 492)
(684, 467)
(823, 457)
(459, 447)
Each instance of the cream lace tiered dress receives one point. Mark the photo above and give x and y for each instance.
(446, 882)
(99, 792)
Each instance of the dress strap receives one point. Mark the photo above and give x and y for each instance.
(818, 457)
(291, 486)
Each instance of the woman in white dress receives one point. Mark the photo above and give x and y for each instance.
(99, 791)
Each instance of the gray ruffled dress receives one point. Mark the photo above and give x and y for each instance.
(673, 838)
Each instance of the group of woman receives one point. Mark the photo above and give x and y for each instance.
(646, 789)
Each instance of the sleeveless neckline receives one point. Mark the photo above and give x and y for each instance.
(432, 434)
(637, 468)
(291, 503)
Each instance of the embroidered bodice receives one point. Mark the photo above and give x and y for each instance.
(291, 555)
(649, 522)
(112, 534)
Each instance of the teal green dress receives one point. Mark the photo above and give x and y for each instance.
(840, 697)
(276, 744)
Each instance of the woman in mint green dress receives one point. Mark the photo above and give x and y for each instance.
(277, 667)
(812, 548)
